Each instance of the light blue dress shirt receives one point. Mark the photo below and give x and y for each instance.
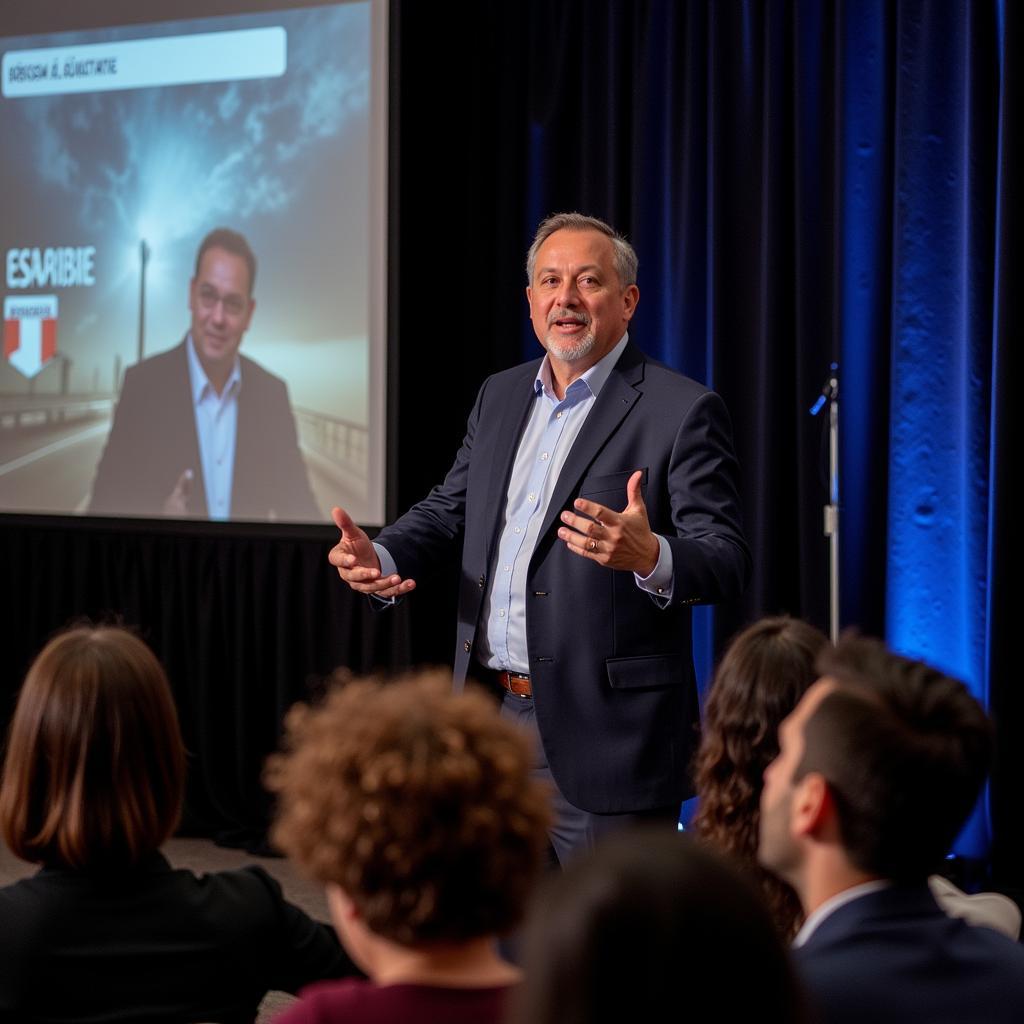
(216, 428)
(551, 428)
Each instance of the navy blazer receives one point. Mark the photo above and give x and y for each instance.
(612, 670)
(894, 956)
(153, 440)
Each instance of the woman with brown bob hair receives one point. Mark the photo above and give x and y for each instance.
(416, 808)
(761, 676)
(93, 782)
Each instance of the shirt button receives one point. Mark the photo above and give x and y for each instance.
(518, 530)
(558, 415)
(466, 646)
(508, 568)
(501, 612)
(531, 497)
(543, 456)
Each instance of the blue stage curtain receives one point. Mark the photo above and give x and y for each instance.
(945, 182)
(805, 182)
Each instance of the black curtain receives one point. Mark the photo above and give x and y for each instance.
(246, 624)
(769, 160)
(676, 123)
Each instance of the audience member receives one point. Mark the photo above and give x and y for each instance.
(763, 673)
(416, 808)
(879, 765)
(647, 922)
(93, 782)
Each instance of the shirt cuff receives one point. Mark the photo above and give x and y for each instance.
(387, 563)
(388, 568)
(659, 583)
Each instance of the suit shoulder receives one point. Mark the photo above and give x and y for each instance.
(658, 376)
(255, 376)
(996, 948)
(513, 376)
(500, 386)
(156, 367)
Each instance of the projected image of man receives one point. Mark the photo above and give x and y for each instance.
(201, 430)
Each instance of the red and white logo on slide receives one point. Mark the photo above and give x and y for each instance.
(30, 332)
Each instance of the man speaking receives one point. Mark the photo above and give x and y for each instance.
(200, 430)
(593, 501)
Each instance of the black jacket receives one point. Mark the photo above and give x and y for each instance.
(154, 944)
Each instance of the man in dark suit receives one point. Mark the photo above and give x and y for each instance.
(593, 501)
(200, 430)
(878, 767)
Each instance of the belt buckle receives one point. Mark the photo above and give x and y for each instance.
(510, 676)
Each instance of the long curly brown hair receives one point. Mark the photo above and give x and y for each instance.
(760, 679)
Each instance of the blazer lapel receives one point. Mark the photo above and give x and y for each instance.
(250, 450)
(613, 405)
(513, 419)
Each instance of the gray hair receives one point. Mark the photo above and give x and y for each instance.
(624, 255)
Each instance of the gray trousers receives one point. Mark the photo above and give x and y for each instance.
(573, 830)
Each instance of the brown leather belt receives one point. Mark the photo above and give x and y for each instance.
(515, 683)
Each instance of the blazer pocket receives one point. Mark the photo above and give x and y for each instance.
(648, 672)
(594, 486)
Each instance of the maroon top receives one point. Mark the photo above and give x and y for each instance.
(361, 1002)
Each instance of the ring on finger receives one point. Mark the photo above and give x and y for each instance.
(593, 545)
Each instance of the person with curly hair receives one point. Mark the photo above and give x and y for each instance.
(416, 808)
(761, 677)
(107, 930)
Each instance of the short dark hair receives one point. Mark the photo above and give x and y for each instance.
(607, 938)
(417, 802)
(94, 771)
(764, 672)
(904, 749)
(233, 242)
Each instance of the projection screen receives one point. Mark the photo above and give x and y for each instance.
(135, 382)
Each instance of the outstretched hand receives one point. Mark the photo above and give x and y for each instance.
(357, 562)
(176, 503)
(619, 540)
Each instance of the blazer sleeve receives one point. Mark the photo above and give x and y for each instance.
(710, 558)
(430, 534)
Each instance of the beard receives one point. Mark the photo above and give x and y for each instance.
(569, 352)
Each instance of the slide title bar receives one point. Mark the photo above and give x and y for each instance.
(144, 63)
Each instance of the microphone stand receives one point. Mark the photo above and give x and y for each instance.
(830, 394)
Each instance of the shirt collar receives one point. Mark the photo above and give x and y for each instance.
(200, 383)
(833, 903)
(594, 379)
